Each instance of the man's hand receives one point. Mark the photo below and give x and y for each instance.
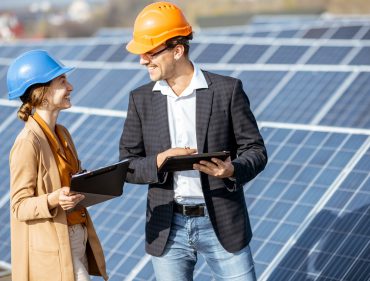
(216, 168)
(176, 151)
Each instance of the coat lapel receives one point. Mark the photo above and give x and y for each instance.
(160, 107)
(48, 160)
(203, 113)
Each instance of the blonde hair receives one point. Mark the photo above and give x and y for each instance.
(31, 98)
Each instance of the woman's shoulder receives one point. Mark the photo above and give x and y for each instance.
(27, 135)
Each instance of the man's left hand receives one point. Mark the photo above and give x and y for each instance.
(216, 168)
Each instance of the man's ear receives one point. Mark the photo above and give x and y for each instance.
(179, 52)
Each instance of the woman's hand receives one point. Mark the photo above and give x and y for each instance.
(68, 200)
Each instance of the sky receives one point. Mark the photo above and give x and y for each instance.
(11, 4)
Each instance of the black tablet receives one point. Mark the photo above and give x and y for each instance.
(101, 184)
(185, 162)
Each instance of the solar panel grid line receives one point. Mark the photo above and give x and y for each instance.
(4, 199)
(335, 254)
(267, 54)
(126, 89)
(230, 53)
(121, 241)
(318, 128)
(88, 87)
(301, 32)
(339, 148)
(103, 65)
(308, 54)
(330, 32)
(83, 52)
(319, 206)
(136, 270)
(76, 109)
(297, 201)
(359, 35)
(108, 52)
(236, 73)
(94, 135)
(96, 111)
(9, 120)
(144, 260)
(351, 55)
(265, 103)
(334, 98)
(76, 125)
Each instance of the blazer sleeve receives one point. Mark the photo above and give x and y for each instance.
(25, 205)
(143, 167)
(251, 152)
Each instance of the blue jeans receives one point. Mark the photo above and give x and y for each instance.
(192, 235)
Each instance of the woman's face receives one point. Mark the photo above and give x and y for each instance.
(58, 96)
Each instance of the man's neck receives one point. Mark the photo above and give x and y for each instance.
(183, 74)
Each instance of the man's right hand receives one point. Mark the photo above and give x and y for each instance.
(176, 151)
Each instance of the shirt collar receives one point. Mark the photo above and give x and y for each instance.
(198, 81)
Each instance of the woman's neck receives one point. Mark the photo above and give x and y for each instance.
(50, 117)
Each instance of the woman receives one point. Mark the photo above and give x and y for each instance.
(52, 237)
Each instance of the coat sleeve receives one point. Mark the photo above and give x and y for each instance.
(143, 168)
(251, 152)
(25, 204)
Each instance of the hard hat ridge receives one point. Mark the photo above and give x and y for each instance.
(32, 67)
(155, 24)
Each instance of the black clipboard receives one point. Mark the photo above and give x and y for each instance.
(185, 162)
(101, 184)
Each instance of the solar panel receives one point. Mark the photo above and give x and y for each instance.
(96, 53)
(347, 32)
(302, 97)
(309, 209)
(249, 54)
(329, 55)
(213, 53)
(362, 58)
(315, 33)
(352, 108)
(304, 173)
(287, 54)
(335, 244)
(258, 84)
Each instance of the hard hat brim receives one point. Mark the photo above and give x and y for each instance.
(137, 48)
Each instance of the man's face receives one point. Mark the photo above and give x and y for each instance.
(159, 62)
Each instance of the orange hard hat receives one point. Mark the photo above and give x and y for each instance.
(155, 24)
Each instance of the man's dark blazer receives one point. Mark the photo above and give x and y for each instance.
(224, 121)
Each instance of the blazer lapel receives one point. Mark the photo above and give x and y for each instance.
(202, 115)
(160, 107)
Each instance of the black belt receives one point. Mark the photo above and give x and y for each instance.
(190, 210)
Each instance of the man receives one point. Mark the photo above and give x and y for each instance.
(202, 210)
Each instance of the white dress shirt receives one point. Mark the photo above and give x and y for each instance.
(182, 126)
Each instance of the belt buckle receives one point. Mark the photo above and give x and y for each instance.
(188, 210)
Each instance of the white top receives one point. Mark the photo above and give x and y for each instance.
(182, 125)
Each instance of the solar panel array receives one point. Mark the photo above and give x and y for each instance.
(307, 81)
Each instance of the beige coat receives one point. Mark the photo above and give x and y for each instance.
(39, 236)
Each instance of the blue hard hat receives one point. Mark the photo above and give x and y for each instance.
(32, 67)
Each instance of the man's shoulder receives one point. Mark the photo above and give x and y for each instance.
(218, 78)
(144, 89)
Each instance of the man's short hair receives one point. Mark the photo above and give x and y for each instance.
(180, 40)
